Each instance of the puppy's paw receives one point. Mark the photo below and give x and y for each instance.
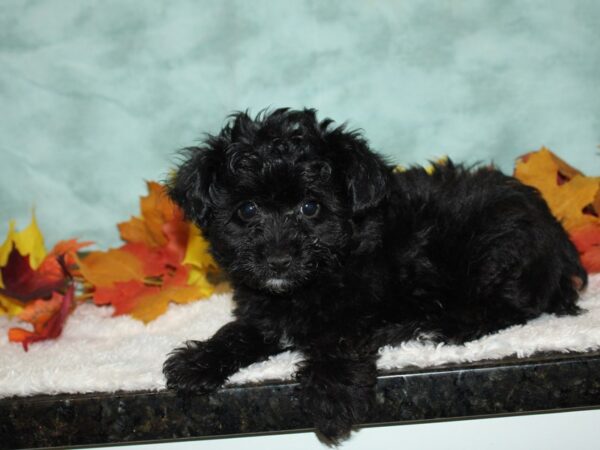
(335, 408)
(337, 394)
(193, 368)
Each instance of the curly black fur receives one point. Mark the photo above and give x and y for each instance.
(385, 258)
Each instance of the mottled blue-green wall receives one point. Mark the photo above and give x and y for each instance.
(96, 96)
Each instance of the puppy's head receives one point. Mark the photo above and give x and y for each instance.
(280, 196)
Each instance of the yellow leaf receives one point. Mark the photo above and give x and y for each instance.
(196, 252)
(9, 306)
(7, 246)
(429, 168)
(196, 276)
(28, 241)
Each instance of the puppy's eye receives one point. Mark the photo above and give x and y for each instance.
(310, 208)
(247, 211)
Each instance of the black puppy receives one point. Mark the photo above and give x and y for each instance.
(333, 253)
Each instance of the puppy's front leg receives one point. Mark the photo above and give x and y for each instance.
(203, 366)
(337, 390)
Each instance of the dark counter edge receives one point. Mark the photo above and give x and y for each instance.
(544, 383)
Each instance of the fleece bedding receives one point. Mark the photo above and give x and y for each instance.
(100, 353)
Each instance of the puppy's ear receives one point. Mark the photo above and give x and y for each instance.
(366, 174)
(190, 187)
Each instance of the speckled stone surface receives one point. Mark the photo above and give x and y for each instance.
(512, 386)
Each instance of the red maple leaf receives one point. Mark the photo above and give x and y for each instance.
(587, 240)
(23, 283)
(49, 329)
(123, 295)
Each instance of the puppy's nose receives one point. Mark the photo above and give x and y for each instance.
(279, 262)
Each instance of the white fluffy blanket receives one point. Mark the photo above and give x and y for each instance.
(100, 353)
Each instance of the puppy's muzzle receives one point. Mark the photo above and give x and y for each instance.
(279, 262)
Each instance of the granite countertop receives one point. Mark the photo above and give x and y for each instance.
(545, 383)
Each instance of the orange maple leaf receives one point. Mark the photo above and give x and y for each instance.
(154, 266)
(112, 266)
(570, 195)
(573, 198)
(174, 289)
(157, 209)
(52, 266)
(147, 302)
(152, 305)
(38, 312)
(177, 232)
(69, 248)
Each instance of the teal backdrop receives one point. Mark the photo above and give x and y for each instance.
(97, 96)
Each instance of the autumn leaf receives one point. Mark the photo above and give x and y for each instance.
(32, 283)
(198, 258)
(29, 242)
(196, 252)
(155, 260)
(572, 197)
(9, 306)
(174, 289)
(23, 283)
(429, 168)
(140, 278)
(587, 240)
(124, 295)
(148, 301)
(157, 209)
(591, 259)
(39, 312)
(112, 266)
(67, 250)
(48, 324)
(177, 232)
(26, 271)
(552, 163)
(152, 305)
(167, 257)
